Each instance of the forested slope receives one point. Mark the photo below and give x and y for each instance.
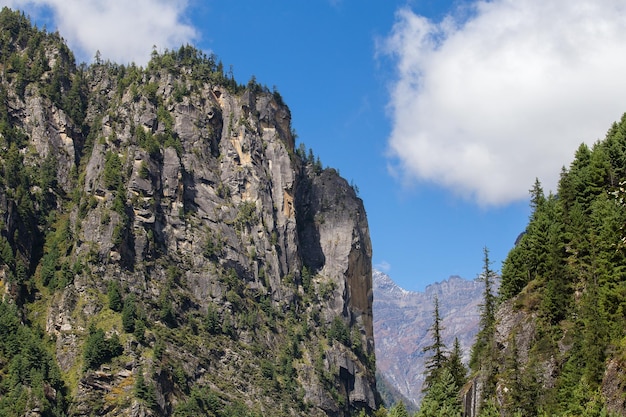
(558, 338)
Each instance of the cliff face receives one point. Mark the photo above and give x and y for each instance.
(515, 335)
(171, 213)
(527, 372)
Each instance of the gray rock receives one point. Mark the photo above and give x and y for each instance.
(223, 216)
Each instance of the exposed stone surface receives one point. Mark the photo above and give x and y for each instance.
(613, 387)
(210, 211)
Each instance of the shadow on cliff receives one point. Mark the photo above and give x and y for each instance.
(308, 234)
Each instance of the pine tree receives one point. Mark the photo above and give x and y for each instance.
(144, 390)
(554, 273)
(594, 334)
(484, 352)
(398, 410)
(488, 308)
(129, 314)
(435, 364)
(455, 365)
(489, 409)
(537, 198)
(442, 399)
(573, 255)
(116, 303)
(444, 375)
(520, 389)
(212, 320)
(487, 314)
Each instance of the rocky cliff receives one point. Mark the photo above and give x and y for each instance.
(402, 320)
(178, 254)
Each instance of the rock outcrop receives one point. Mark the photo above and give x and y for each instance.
(521, 365)
(172, 213)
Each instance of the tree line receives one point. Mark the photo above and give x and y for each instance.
(567, 270)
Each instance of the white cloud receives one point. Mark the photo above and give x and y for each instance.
(123, 31)
(383, 266)
(485, 103)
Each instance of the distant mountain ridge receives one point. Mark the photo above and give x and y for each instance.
(402, 319)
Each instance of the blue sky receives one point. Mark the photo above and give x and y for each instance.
(441, 112)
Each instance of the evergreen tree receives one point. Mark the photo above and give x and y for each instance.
(444, 375)
(537, 198)
(435, 364)
(489, 409)
(398, 410)
(212, 320)
(594, 335)
(98, 349)
(484, 355)
(113, 170)
(488, 308)
(571, 260)
(515, 271)
(522, 390)
(512, 378)
(139, 331)
(116, 303)
(145, 391)
(442, 399)
(554, 272)
(455, 365)
(129, 314)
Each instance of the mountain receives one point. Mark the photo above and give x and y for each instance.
(556, 344)
(402, 319)
(165, 249)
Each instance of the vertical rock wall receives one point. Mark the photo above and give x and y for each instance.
(193, 204)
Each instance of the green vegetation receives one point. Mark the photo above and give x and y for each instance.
(129, 314)
(485, 349)
(212, 320)
(445, 375)
(112, 171)
(246, 215)
(309, 158)
(55, 271)
(115, 296)
(28, 371)
(99, 349)
(339, 331)
(144, 171)
(441, 398)
(436, 362)
(567, 269)
(206, 402)
(145, 391)
(209, 335)
(214, 246)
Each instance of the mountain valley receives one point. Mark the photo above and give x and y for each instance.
(401, 322)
